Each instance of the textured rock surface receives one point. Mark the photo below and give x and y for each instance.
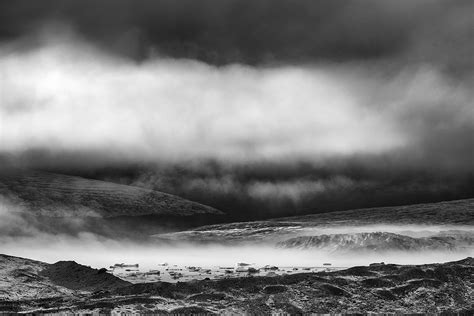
(379, 241)
(382, 288)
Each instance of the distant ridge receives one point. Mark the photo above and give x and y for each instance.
(57, 195)
(456, 212)
(379, 241)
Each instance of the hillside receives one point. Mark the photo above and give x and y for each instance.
(56, 195)
(444, 214)
(457, 212)
(22, 278)
(19, 278)
(379, 242)
(74, 276)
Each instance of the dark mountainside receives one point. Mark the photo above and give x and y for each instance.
(50, 194)
(383, 288)
(74, 276)
(103, 207)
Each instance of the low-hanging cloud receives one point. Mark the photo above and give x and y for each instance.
(296, 190)
(68, 96)
(75, 98)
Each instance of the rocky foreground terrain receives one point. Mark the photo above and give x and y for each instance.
(32, 286)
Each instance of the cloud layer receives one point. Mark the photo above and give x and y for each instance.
(262, 31)
(253, 107)
(75, 98)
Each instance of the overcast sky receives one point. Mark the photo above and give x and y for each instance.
(256, 107)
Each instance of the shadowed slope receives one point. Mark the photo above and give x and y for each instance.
(56, 195)
(74, 276)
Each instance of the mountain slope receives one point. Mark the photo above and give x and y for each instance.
(56, 195)
(450, 213)
(378, 241)
(457, 212)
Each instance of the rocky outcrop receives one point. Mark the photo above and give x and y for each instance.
(378, 241)
(74, 276)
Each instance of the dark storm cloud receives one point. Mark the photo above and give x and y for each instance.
(272, 189)
(263, 31)
(301, 106)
